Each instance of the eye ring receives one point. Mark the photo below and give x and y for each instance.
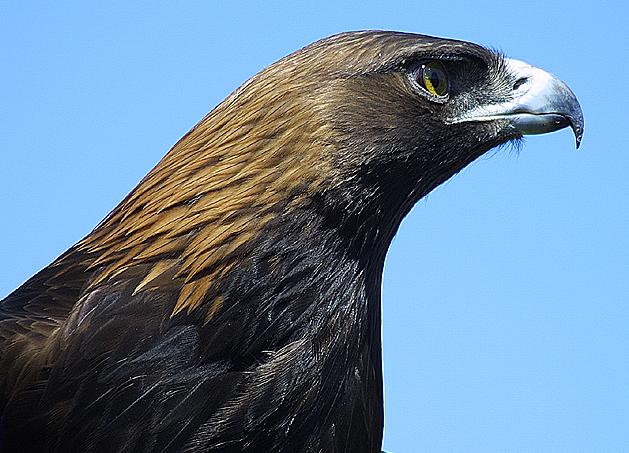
(433, 78)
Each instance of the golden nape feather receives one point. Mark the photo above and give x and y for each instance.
(231, 302)
(217, 187)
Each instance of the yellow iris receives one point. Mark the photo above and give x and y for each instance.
(434, 78)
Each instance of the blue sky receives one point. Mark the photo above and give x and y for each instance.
(506, 291)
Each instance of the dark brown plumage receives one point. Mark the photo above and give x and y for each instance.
(232, 301)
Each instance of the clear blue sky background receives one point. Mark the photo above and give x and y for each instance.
(506, 291)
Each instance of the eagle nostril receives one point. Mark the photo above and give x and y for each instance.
(520, 82)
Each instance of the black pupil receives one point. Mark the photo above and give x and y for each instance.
(435, 79)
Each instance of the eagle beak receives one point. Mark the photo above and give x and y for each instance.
(541, 103)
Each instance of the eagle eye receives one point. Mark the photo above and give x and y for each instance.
(432, 77)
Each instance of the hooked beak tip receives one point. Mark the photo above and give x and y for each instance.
(578, 133)
(577, 129)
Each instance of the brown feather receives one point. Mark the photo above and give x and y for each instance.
(217, 188)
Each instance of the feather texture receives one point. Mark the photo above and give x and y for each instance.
(231, 302)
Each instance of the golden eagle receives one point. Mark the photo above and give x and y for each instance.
(231, 302)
